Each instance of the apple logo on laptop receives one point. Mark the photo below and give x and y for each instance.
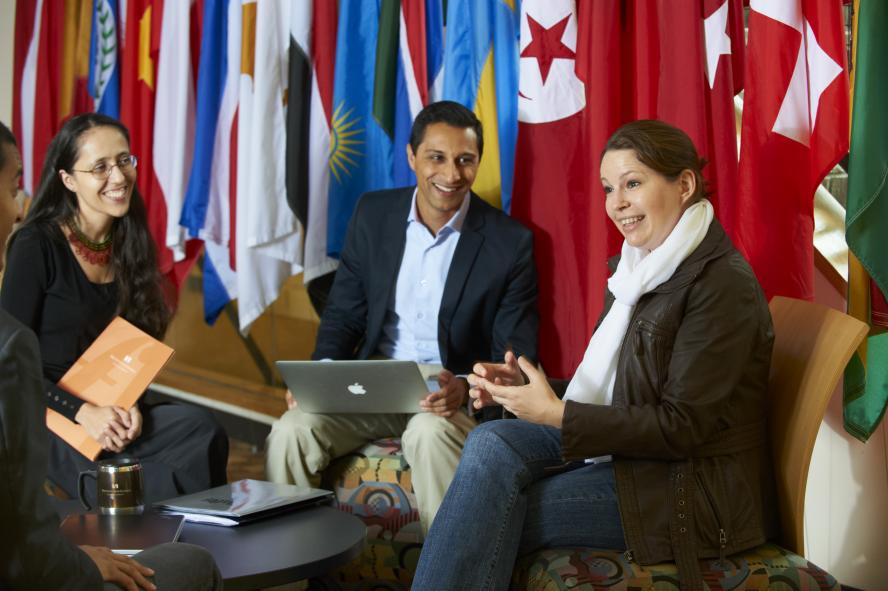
(357, 388)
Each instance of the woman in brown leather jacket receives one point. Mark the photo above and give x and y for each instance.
(658, 446)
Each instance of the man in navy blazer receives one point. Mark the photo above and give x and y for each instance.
(431, 274)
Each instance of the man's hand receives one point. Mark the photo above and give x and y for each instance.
(535, 402)
(446, 401)
(504, 374)
(291, 402)
(106, 424)
(119, 569)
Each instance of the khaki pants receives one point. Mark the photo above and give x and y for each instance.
(302, 444)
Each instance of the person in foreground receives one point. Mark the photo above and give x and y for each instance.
(658, 447)
(430, 274)
(33, 554)
(83, 256)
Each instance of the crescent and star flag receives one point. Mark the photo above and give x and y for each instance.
(866, 225)
(481, 72)
(551, 179)
(675, 61)
(795, 129)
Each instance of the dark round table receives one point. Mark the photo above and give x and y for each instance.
(281, 549)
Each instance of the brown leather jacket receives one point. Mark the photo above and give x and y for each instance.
(687, 424)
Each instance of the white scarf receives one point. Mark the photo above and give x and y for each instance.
(638, 272)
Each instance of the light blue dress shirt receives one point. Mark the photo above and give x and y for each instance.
(410, 330)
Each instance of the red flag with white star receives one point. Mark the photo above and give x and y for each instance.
(795, 129)
(676, 60)
(551, 188)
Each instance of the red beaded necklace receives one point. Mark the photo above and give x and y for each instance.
(96, 253)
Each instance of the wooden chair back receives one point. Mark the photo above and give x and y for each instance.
(812, 345)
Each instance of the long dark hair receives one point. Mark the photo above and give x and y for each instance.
(663, 148)
(140, 288)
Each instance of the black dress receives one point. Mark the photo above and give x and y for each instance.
(182, 448)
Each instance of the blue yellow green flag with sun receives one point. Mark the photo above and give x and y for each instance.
(362, 124)
(481, 72)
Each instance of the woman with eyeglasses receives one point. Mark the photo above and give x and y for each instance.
(82, 256)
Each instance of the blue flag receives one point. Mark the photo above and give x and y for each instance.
(104, 58)
(210, 86)
(481, 72)
(363, 121)
(402, 175)
(435, 47)
(414, 84)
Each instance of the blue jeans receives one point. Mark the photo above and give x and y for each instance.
(504, 503)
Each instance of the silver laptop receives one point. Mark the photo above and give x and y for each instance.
(371, 386)
(243, 501)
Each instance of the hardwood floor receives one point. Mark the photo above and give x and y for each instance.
(245, 461)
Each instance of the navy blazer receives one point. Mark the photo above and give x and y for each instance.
(490, 295)
(33, 554)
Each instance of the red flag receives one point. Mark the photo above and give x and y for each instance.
(724, 40)
(137, 91)
(138, 67)
(673, 61)
(38, 44)
(688, 57)
(795, 129)
(555, 169)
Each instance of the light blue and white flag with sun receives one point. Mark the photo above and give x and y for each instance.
(104, 58)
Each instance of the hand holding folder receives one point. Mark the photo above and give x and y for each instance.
(114, 371)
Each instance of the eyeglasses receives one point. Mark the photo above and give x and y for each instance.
(102, 170)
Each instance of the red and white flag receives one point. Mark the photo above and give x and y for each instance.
(684, 67)
(551, 177)
(795, 129)
(323, 60)
(173, 143)
(724, 40)
(138, 81)
(312, 58)
(679, 61)
(38, 39)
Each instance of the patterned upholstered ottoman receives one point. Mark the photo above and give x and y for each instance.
(763, 568)
(374, 484)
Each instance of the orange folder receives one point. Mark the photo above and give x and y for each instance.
(115, 370)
